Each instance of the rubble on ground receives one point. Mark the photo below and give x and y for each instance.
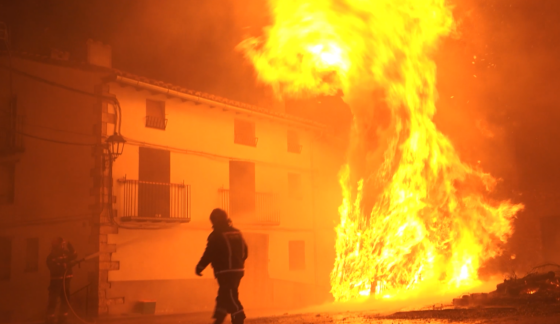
(542, 285)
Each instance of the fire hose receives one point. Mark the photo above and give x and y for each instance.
(73, 263)
(77, 262)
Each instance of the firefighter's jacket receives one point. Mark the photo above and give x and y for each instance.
(59, 261)
(226, 251)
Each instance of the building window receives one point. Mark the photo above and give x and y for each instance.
(294, 146)
(154, 175)
(5, 258)
(7, 183)
(296, 255)
(244, 132)
(11, 124)
(242, 202)
(155, 114)
(32, 255)
(294, 186)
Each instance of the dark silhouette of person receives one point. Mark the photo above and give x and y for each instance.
(226, 251)
(59, 262)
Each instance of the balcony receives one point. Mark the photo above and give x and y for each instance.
(266, 209)
(154, 201)
(156, 122)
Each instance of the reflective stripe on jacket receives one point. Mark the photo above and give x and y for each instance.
(226, 250)
(58, 261)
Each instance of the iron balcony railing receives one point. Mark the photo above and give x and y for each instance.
(145, 200)
(245, 140)
(267, 210)
(156, 122)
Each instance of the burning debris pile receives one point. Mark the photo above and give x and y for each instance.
(412, 212)
(537, 286)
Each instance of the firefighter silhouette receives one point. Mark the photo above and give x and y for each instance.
(59, 262)
(226, 251)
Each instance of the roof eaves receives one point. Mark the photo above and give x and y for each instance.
(116, 72)
(247, 107)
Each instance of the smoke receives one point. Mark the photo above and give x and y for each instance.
(496, 99)
(184, 42)
(496, 80)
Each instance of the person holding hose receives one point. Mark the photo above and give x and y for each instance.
(227, 251)
(59, 262)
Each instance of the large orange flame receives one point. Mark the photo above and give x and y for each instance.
(412, 211)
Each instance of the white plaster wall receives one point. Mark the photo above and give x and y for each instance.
(200, 139)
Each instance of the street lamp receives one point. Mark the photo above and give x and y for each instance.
(115, 145)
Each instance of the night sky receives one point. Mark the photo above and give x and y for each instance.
(498, 75)
(186, 42)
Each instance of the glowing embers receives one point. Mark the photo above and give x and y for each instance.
(538, 286)
(411, 211)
